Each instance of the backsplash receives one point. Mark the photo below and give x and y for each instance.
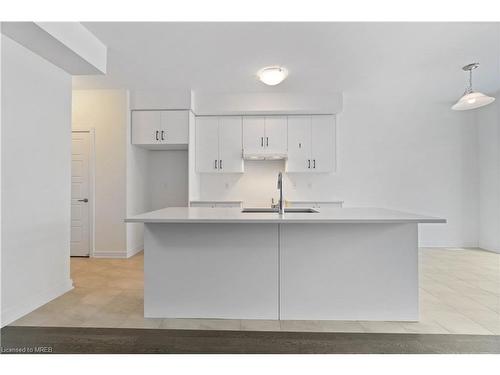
(257, 185)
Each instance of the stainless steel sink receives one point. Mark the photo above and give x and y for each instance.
(275, 210)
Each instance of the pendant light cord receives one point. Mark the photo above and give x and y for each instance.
(470, 81)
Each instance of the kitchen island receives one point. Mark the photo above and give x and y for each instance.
(337, 263)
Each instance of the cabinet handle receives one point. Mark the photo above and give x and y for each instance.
(261, 141)
(309, 163)
(215, 164)
(314, 163)
(267, 141)
(162, 133)
(157, 135)
(220, 164)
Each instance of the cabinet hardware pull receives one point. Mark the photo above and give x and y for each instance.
(267, 141)
(314, 163)
(220, 164)
(261, 141)
(157, 135)
(83, 200)
(215, 165)
(162, 133)
(309, 163)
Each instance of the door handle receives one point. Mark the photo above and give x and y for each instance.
(314, 163)
(267, 141)
(261, 141)
(157, 135)
(215, 164)
(309, 163)
(83, 200)
(220, 164)
(162, 133)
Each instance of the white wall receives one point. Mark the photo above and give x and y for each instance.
(36, 175)
(193, 177)
(488, 125)
(107, 112)
(399, 148)
(137, 191)
(155, 179)
(160, 99)
(265, 102)
(167, 179)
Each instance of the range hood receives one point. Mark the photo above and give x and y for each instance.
(264, 156)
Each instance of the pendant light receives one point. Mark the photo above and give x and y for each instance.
(471, 99)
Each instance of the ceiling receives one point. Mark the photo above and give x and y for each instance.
(224, 57)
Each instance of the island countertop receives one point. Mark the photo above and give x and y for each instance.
(353, 215)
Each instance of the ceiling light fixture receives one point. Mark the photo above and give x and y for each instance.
(471, 99)
(272, 75)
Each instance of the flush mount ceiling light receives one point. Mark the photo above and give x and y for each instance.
(471, 99)
(272, 75)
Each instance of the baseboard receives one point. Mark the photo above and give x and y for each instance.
(132, 252)
(490, 250)
(455, 246)
(116, 254)
(110, 254)
(36, 300)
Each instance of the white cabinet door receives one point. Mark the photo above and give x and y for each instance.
(207, 144)
(299, 144)
(253, 134)
(146, 127)
(275, 140)
(323, 143)
(174, 127)
(230, 150)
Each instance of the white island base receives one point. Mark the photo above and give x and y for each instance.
(344, 271)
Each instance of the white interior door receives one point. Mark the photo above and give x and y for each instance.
(231, 160)
(253, 134)
(299, 144)
(275, 141)
(80, 188)
(323, 143)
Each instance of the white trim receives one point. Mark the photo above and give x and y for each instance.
(91, 131)
(489, 250)
(37, 299)
(110, 254)
(466, 245)
(132, 252)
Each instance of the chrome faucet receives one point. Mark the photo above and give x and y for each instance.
(280, 188)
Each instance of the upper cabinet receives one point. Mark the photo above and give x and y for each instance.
(161, 129)
(264, 135)
(308, 142)
(311, 143)
(218, 144)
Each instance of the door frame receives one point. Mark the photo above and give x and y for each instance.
(91, 132)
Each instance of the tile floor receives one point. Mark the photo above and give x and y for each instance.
(459, 294)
